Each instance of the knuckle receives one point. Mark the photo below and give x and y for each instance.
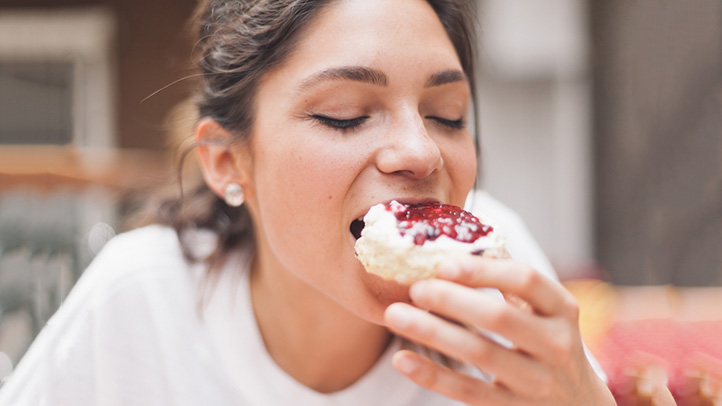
(468, 271)
(470, 395)
(425, 332)
(571, 308)
(497, 318)
(426, 377)
(481, 354)
(561, 349)
(529, 279)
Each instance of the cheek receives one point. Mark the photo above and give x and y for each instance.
(461, 162)
(300, 188)
(305, 175)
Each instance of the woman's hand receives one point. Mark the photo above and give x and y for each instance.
(546, 364)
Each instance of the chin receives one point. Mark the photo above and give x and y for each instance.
(383, 293)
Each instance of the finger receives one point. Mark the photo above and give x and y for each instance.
(650, 380)
(518, 372)
(547, 297)
(652, 385)
(474, 308)
(704, 373)
(448, 382)
(661, 396)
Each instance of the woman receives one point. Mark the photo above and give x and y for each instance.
(312, 112)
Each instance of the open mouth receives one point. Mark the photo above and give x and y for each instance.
(357, 227)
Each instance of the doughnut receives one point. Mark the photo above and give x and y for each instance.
(406, 242)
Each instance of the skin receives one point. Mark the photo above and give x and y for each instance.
(306, 180)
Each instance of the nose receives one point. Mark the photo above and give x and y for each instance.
(409, 149)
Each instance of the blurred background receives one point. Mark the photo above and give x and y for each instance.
(601, 125)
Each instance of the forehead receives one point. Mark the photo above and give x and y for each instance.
(380, 33)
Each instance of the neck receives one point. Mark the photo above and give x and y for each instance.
(311, 337)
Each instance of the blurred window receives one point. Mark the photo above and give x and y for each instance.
(57, 77)
(36, 103)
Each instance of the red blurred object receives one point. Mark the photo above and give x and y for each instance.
(649, 336)
(689, 352)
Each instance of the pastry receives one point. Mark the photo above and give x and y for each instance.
(406, 242)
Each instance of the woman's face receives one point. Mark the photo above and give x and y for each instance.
(371, 106)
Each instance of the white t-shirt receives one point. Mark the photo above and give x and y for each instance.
(132, 332)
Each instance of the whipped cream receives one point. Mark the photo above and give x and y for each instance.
(384, 251)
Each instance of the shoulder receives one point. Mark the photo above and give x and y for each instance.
(148, 250)
(144, 252)
(140, 278)
(154, 244)
(136, 296)
(520, 242)
(148, 259)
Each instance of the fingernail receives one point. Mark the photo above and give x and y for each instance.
(406, 364)
(397, 317)
(448, 270)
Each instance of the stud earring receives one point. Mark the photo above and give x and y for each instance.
(234, 195)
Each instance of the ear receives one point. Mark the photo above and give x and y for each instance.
(221, 162)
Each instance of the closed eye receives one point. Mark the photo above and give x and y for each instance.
(339, 124)
(453, 124)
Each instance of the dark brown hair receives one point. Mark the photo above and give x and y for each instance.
(238, 42)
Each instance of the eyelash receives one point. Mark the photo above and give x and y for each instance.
(453, 124)
(343, 125)
(351, 124)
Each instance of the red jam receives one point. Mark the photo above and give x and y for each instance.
(427, 222)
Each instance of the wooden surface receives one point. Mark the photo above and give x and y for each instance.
(46, 168)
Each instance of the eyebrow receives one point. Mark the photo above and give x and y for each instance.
(376, 77)
(444, 77)
(354, 73)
